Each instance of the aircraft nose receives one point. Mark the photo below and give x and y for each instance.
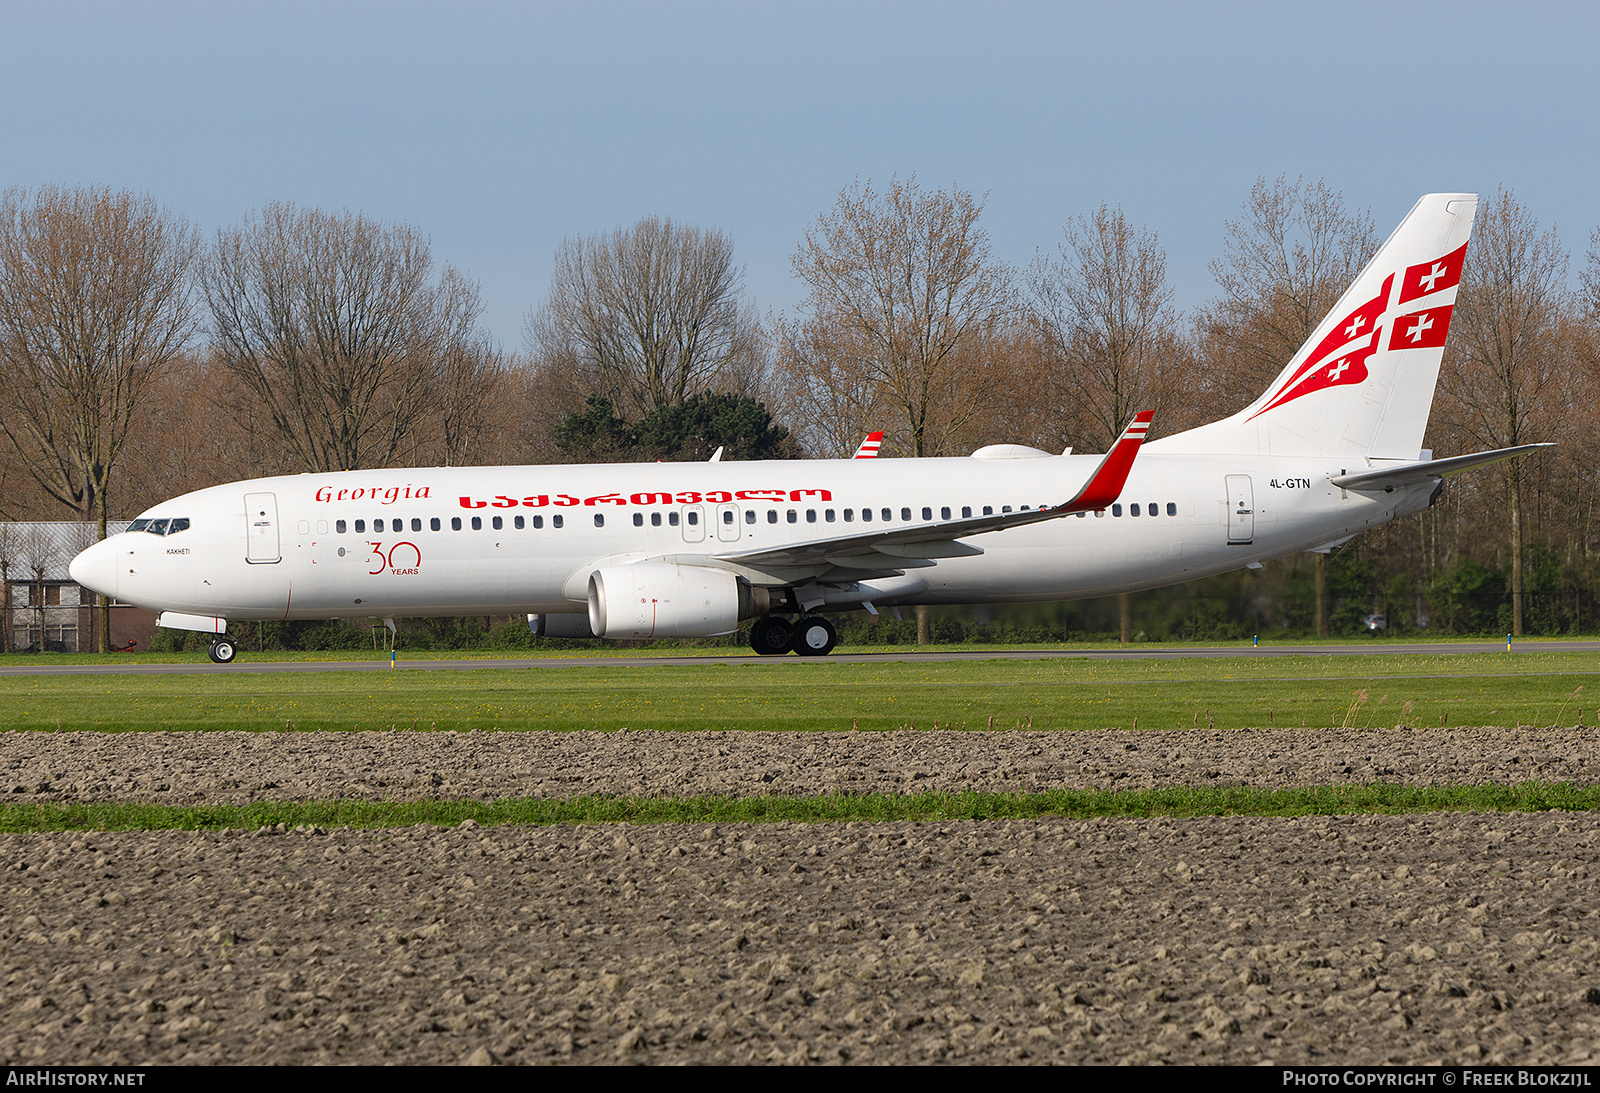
(96, 568)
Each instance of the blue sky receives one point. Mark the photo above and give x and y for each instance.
(500, 128)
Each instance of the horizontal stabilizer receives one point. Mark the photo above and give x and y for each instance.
(1412, 474)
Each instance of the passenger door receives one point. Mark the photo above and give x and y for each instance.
(261, 528)
(1241, 509)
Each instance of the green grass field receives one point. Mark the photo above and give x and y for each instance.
(1227, 693)
(871, 808)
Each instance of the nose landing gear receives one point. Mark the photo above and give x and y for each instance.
(224, 649)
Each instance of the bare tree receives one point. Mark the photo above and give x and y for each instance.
(648, 315)
(337, 327)
(1504, 357)
(469, 376)
(1105, 314)
(1590, 278)
(904, 291)
(1286, 262)
(40, 554)
(95, 302)
(10, 558)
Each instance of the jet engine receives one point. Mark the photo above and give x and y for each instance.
(662, 600)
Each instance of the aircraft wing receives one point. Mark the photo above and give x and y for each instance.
(1413, 474)
(937, 539)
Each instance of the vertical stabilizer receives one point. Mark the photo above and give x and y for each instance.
(1362, 384)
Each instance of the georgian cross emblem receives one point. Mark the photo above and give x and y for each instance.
(1427, 280)
(1355, 328)
(1422, 326)
(1338, 370)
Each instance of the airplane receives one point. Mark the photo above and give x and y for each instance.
(655, 550)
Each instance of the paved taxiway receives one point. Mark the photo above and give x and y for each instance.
(133, 667)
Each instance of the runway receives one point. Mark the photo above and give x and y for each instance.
(243, 664)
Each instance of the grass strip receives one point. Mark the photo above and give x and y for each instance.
(1375, 798)
(1356, 692)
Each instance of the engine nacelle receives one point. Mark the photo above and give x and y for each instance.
(661, 600)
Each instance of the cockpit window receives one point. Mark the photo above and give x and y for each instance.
(161, 525)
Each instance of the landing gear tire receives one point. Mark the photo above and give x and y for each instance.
(814, 637)
(772, 636)
(224, 649)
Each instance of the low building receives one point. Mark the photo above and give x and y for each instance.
(44, 608)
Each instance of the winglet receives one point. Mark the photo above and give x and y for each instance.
(869, 446)
(1105, 484)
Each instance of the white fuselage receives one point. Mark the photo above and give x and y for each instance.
(386, 544)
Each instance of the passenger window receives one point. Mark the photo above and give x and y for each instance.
(866, 515)
(1005, 508)
(793, 518)
(518, 523)
(827, 514)
(538, 522)
(727, 516)
(887, 514)
(497, 523)
(694, 518)
(1080, 515)
(304, 527)
(905, 514)
(638, 519)
(1172, 508)
(477, 523)
(811, 516)
(749, 516)
(655, 519)
(433, 524)
(1099, 514)
(1133, 509)
(944, 513)
(557, 520)
(849, 516)
(988, 510)
(966, 512)
(339, 527)
(772, 516)
(927, 513)
(672, 518)
(455, 523)
(361, 527)
(1154, 509)
(1116, 510)
(416, 523)
(599, 519)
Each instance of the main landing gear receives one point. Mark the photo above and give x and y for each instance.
(812, 636)
(224, 648)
